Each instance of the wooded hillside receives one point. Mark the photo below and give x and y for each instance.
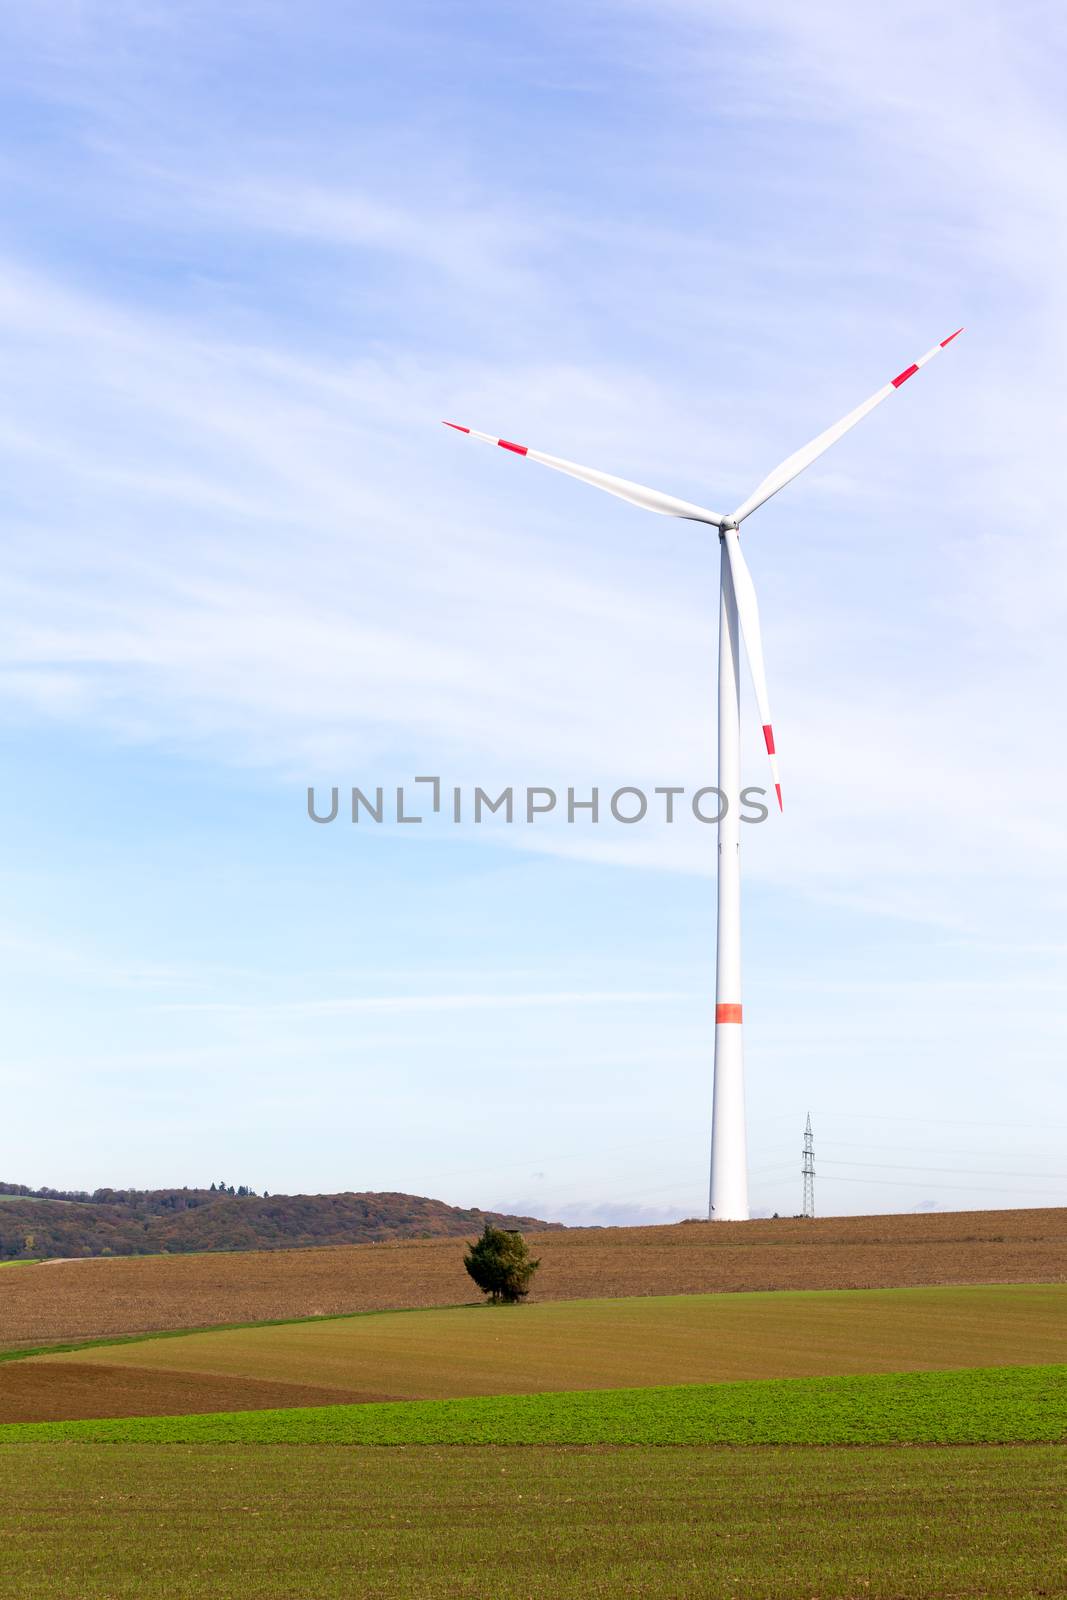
(39, 1223)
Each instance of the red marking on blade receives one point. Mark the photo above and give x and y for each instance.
(458, 427)
(729, 1013)
(769, 738)
(950, 338)
(506, 444)
(902, 377)
(778, 792)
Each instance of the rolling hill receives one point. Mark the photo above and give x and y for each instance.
(43, 1223)
(647, 1340)
(100, 1298)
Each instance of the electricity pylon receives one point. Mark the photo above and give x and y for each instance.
(808, 1170)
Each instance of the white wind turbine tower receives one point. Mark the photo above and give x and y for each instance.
(728, 1199)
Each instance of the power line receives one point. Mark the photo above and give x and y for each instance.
(905, 1183)
(937, 1151)
(981, 1172)
(944, 1122)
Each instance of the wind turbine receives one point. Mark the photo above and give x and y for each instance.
(728, 1198)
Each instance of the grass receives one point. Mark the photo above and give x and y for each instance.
(991, 1406)
(664, 1340)
(134, 1522)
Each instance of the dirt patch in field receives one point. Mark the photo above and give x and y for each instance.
(35, 1393)
(90, 1298)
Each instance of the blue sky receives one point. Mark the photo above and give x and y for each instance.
(249, 258)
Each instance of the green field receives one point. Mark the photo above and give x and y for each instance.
(671, 1339)
(996, 1405)
(141, 1522)
(900, 1446)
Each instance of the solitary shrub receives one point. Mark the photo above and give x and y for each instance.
(500, 1264)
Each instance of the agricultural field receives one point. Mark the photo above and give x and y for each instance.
(849, 1442)
(561, 1345)
(61, 1301)
(992, 1405)
(210, 1522)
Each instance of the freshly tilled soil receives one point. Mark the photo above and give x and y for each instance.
(31, 1393)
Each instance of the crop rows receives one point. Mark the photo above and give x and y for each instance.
(136, 1522)
(977, 1406)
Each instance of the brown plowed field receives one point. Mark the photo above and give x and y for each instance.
(33, 1393)
(84, 1299)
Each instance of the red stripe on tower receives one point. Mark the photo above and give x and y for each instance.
(458, 427)
(950, 338)
(902, 377)
(506, 444)
(778, 792)
(728, 1013)
(769, 738)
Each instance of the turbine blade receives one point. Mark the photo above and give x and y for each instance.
(748, 617)
(787, 470)
(637, 494)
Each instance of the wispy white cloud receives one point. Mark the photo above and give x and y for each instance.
(235, 530)
(350, 1005)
